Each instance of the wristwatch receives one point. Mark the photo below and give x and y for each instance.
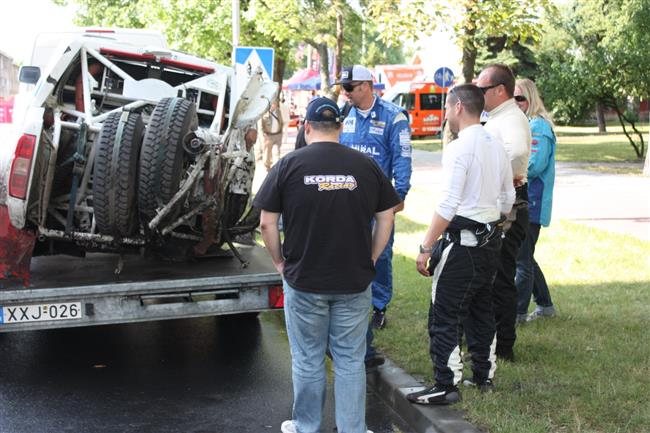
(426, 250)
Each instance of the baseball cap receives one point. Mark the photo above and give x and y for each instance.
(323, 109)
(354, 73)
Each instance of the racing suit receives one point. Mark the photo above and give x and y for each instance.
(385, 135)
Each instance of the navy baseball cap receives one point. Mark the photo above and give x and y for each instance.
(323, 109)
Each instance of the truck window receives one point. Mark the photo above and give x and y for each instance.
(430, 101)
(405, 100)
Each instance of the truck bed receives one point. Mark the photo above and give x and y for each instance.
(146, 289)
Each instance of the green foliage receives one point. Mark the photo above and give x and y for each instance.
(475, 23)
(596, 52)
(204, 28)
(377, 51)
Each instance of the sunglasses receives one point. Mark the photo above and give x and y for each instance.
(520, 98)
(349, 87)
(486, 88)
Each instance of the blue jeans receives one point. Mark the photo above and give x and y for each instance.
(314, 321)
(530, 278)
(382, 285)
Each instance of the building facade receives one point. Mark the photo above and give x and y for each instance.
(8, 76)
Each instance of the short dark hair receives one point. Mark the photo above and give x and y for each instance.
(502, 74)
(324, 126)
(470, 96)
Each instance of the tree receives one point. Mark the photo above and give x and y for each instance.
(472, 21)
(201, 27)
(597, 54)
(323, 24)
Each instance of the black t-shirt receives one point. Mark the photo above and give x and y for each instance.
(328, 195)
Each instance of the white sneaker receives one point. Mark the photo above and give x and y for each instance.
(541, 312)
(288, 426)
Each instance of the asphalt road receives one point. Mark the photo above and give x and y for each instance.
(195, 375)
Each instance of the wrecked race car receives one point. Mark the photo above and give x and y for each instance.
(130, 148)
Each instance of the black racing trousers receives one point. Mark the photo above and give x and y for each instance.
(505, 291)
(462, 288)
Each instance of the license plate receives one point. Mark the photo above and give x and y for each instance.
(42, 312)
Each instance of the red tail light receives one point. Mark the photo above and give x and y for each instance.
(22, 166)
(276, 297)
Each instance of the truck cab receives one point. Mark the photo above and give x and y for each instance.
(424, 102)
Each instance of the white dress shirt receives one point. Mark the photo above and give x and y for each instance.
(510, 125)
(477, 177)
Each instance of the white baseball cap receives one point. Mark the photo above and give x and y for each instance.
(355, 73)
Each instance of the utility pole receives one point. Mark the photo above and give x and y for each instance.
(235, 28)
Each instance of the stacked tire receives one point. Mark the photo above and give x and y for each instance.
(136, 172)
(115, 174)
(163, 159)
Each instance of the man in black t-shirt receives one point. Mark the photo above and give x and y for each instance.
(328, 195)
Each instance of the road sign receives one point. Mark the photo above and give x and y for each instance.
(443, 77)
(249, 58)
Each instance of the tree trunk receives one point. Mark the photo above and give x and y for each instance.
(646, 166)
(600, 117)
(469, 44)
(469, 61)
(638, 148)
(279, 65)
(338, 55)
(324, 69)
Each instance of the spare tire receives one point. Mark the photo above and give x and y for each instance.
(115, 174)
(163, 159)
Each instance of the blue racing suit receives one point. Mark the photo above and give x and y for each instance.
(385, 135)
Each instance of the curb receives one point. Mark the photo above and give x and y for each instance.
(392, 384)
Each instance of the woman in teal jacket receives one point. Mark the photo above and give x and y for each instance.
(541, 177)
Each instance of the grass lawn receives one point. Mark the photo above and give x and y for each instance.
(583, 144)
(586, 370)
(430, 144)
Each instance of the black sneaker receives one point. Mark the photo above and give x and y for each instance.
(374, 361)
(378, 318)
(486, 386)
(437, 394)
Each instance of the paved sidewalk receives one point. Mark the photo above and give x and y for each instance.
(613, 202)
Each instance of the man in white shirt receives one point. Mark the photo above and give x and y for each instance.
(508, 123)
(477, 190)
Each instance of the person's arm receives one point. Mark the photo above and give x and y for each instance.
(516, 140)
(436, 228)
(271, 237)
(541, 148)
(507, 194)
(381, 233)
(400, 145)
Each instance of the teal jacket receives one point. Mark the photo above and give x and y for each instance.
(541, 171)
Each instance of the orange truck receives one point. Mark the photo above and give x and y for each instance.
(424, 102)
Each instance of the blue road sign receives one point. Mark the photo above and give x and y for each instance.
(249, 58)
(443, 77)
